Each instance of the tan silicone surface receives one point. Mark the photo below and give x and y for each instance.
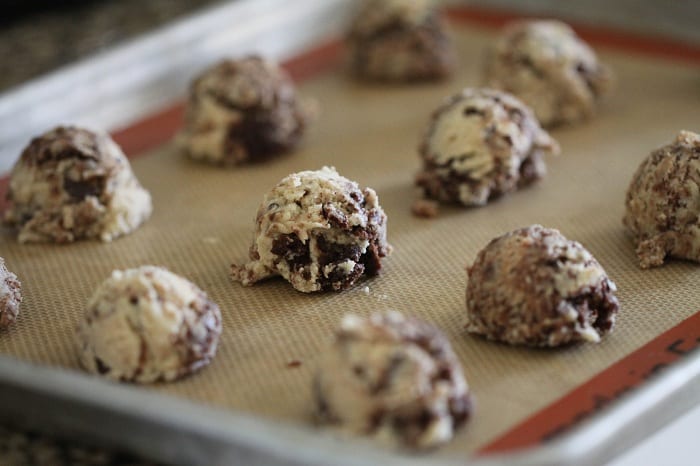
(203, 221)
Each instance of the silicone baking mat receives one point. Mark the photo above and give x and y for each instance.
(203, 221)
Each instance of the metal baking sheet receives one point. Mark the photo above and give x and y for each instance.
(163, 422)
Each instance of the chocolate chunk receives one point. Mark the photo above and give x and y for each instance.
(102, 368)
(79, 190)
(292, 249)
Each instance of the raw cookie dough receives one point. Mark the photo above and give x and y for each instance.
(663, 203)
(319, 231)
(10, 296)
(400, 40)
(534, 287)
(394, 378)
(71, 184)
(242, 111)
(550, 68)
(146, 325)
(480, 144)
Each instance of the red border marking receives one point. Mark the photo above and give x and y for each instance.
(151, 131)
(613, 382)
(315, 61)
(657, 46)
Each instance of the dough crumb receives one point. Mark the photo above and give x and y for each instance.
(394, 378)
(662, 203)
(319, 231)
(535, 287)
(242, 111)
(400, 41)
(425, 208)
(72, 184)
(547, 66)
(147, 325)
(481, 144)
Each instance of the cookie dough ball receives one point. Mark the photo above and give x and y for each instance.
(394, 378)
(481, 144)
(550, 68)
(663, 203)
(146, 325)
(400, 40)
(71, 184)
(319, 231)
(242, 111)
(534, 287)
(10, 296)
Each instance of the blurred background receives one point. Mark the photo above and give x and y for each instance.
(42, 35)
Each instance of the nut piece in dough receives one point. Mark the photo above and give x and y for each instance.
(394, 378)
(10, 296)
(400, 40)
(146, 325)
(663, 203)
(71, 184)
(242, 111)
(319, 231)
(550, 68)
(481, 144)
(534, 287)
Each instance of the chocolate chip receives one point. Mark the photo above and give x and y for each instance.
(371, 259)
(79, 190)
(102, 368)
(461, 409)
(332, 252)
(292, 250)
(335, 216)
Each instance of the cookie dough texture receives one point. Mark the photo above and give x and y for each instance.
(242, 111)
(534, 287)
(400, 40)
(319, 231)
(71, 184)
(550, 68)
(10, 296)
(146, 325)
(394, 378)
(481, 144)
(662, 205)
